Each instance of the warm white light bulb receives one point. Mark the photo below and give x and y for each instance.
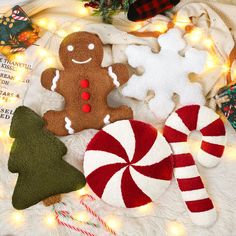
(161, 27)
(42, 22)
(181, 21)
(82, 191)
(208, 43)
(196, 35)
(17, 78)
(17, 217)
(226, 67)
(20, 57)
(83, 11)
(82, 216)
(50, 220)
(50, 61)
(146, 208)
(42, 52)
(113, 222)
(175, 229)
(137, 27)
(212, 62)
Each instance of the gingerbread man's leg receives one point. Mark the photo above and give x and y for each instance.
(58, 123)
(115, 114)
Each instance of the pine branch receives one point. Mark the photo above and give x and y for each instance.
(108, 8)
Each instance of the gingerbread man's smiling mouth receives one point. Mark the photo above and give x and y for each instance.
(82, 62)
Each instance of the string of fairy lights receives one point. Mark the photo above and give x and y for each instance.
(195, 35)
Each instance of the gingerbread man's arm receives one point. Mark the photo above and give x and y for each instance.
(50, 79)
(119, 74)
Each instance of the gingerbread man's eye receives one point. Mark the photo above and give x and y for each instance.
(91, 46)
(70, 48)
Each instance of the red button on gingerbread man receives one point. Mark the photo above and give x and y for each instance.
(85, 85)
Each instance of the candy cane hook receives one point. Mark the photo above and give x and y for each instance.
(15, 16)
(177, 128)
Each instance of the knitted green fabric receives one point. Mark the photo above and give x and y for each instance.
(36, 155)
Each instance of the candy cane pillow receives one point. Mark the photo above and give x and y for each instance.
(176, 131)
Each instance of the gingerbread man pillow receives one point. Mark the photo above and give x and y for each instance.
(84, 84)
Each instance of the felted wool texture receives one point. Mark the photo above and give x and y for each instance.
(168, 76)
(131, 160)
(84, 84)
(177, 129)
(37, 156)
(145, 9)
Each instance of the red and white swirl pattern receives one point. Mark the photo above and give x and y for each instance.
(176, 131)
(128, 164)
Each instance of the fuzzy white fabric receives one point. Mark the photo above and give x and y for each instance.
(166, 73)
(114, 192)
(204, 119)
(159, 219)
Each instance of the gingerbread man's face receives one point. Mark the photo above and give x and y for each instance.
(81, 49)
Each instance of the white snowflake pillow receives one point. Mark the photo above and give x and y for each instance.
(166, 73)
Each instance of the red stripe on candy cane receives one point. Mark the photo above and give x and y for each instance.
(213, 149)
(214, 129)
(196, 183)
(175, 135)
(194, 194)
(200, 205)
(20, 49)
(191, 124)
(15, 16)
(183, 160)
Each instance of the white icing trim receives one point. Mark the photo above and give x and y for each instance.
(68, 126)
(54, 80)
(82, 62)
(106, 120)
(113, 76)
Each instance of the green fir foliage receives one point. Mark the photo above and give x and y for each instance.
(108, 8)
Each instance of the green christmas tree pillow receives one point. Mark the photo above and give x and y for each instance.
(36, 155)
